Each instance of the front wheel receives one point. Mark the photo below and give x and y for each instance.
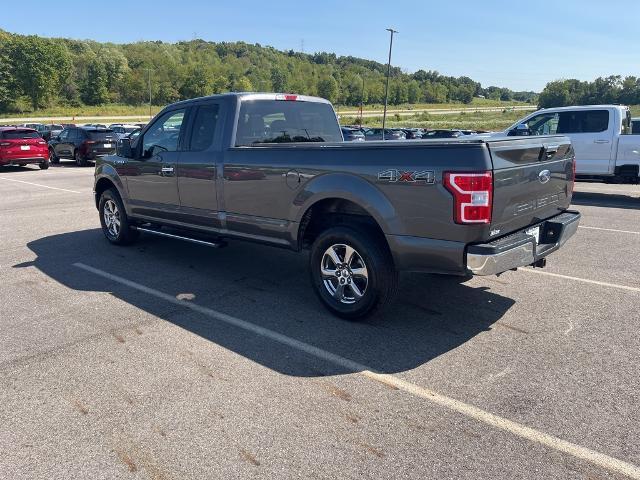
(114, 220)
(352, 272)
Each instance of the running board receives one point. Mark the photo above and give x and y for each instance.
(213, 244)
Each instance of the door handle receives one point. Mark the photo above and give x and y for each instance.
(601, 141)
(166, 170)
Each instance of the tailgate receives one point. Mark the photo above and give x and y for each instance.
(532, 180)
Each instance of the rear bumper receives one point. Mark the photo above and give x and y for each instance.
(520, 248)
(5, 162)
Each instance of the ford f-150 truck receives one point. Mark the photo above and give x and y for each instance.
(273, 168)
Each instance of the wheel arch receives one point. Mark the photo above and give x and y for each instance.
(345, 196)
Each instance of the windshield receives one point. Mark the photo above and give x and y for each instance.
(269, 121)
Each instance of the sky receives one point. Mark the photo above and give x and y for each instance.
(521, 45)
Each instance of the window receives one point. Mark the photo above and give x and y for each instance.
(18, 134)
(635, 127)
(281, 121)
(544, 124)
(64, 135)
(204, 127)
(583, 121)
(164, 134)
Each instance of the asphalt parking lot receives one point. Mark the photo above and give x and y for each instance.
(167, 360)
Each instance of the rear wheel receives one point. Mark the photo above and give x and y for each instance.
(44, 165)
(113, 218)
(53, 158)
(352, 272)
(79, 158)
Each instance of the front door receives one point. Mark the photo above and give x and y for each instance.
(151, 176)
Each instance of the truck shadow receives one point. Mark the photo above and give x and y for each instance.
(606, 200)
(270, 288)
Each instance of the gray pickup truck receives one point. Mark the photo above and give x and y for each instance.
(273, 168)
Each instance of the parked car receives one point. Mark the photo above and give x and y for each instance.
(122, 129)
(366, 211)
(22, 146)
(67, 125)
(600, 135)
(442, 134)
(413, 133)
(352, 135)
(82, 144)
(51, 130)
(376, 134)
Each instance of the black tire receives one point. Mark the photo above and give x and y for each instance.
(124, 235)
(53, 158)
(80, 160)
(44, 165)
(22, 164)
(372, 252)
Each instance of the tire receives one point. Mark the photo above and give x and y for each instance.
(369, 269)
(22, 164)
(80, 160)
(113, 218)
(44, 165)
(53, 158)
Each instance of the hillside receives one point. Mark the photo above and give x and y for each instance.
(38, 73)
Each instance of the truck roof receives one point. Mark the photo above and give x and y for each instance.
(256, 96)
(585, 107)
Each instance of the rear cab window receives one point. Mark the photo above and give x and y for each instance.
(282, 121)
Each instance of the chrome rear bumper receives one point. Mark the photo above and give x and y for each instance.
(520, 249)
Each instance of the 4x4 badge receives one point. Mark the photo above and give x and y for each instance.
(395, 176)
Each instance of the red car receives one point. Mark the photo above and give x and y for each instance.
(20, 146)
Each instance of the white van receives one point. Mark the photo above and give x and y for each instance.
(600, 134)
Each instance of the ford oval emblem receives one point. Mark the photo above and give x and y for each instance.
(544, 176)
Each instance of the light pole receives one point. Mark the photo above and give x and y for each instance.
(149, 71)
(361, 101)
(386, 88)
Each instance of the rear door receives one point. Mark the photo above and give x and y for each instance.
(151, 178)
(592, 134)
(198, 167)
(532, 181)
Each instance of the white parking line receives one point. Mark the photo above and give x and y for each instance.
(610, 230)
(578, 279)
(468, 410)
(39, 185)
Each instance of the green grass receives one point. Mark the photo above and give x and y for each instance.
(467, 121)
(87, 111)
(477, 102)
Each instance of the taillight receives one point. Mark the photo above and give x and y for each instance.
(41, 142)
(5, 144)
(472, 195)
(573, 176)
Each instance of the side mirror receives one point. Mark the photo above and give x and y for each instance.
(123, 148)
(522, 130)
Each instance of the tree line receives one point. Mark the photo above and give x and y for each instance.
(38, 72)
(612, 89)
